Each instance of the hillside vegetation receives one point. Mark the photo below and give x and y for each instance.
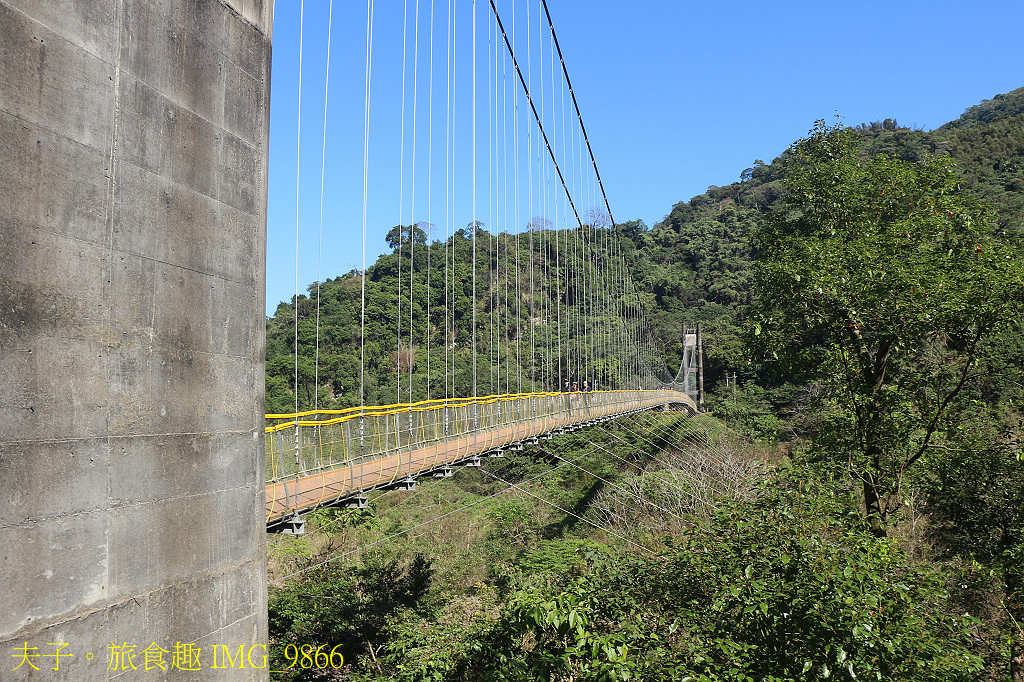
(853, 509)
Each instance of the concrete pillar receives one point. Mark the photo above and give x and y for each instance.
(133, 190)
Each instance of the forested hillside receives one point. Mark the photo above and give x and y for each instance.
(852, 508)
(694, 266)
(528, 310)
(696, 263)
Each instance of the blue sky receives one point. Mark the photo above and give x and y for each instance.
(675, 97)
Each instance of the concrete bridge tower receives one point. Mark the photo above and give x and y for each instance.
(133, 193)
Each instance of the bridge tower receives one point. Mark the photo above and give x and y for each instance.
(133, 192)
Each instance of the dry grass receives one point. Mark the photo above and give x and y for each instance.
(684, 484)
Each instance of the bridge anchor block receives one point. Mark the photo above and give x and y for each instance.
(357, 502)
(293, 525)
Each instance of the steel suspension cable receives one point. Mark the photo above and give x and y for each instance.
(579, 116)
(529, 99)
(401, 202)
(532, 311)
(298, 168)
(492, 103)
(516, 216)
(474, 223)
(366, 166)
(320, 231)
(430, 189)
(504, 228)
(449, 204)
(412, 195)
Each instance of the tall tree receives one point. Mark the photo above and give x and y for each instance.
(881, 279)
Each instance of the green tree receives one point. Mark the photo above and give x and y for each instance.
(341, 609)
(880, 278)
(399, 236)
(976, 508)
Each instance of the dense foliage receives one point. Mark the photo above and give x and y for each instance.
(736, 600)
(880, 279)
(717, 593)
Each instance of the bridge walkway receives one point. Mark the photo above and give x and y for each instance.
(334, 457)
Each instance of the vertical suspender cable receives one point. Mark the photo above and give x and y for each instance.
(298, 169)
(430, 187)
(532, 309)
(412, 184)
(401, 201)
(473, 224)
(506, 226)
(491, 205)
(529, 99)
(320, 240)
(366, 166)
(516, 214)
(568, 83)
(448, 241)
(560, 268)
(586, 139)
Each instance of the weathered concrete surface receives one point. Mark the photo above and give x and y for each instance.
(133, 159)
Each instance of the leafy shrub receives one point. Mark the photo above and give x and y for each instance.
(791, 587)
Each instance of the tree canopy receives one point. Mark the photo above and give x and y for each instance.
(879, 277)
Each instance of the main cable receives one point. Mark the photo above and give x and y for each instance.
(579, 116)
(529, 99)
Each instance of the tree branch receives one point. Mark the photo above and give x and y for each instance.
(965, 374)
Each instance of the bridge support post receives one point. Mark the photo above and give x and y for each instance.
(132, 263)
(700, 365)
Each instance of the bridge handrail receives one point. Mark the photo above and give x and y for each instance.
(290, 420)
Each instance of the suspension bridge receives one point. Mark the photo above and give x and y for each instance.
(530, 308)
(332, 457)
